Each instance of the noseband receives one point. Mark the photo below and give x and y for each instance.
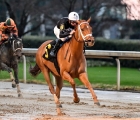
(14, 46)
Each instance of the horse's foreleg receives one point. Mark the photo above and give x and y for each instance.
(13, 80)
(15, 68)
(76, 99)
(59, 85)
(83, 77)
(51, 88)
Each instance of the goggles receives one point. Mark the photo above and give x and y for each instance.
(73, 22)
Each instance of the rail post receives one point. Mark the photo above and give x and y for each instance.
(118, 73)
(24, 68)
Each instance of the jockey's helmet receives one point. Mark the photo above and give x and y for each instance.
(9, 22)
(73, 16)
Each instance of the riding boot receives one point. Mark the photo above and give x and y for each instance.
(56, 47)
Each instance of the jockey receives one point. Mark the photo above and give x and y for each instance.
(6, 28)
(64, 30)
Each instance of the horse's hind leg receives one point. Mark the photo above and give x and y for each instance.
(83, 77)
(14, 81)
(4, 67)
(15, 69)
(46, 74)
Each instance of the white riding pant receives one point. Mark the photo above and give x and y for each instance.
(56, 31)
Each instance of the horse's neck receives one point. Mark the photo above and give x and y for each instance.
(76, 46)
(9, 48)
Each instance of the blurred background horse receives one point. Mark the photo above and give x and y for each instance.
(71, 61)
(10, 52)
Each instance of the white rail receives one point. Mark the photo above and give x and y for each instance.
(92, 54)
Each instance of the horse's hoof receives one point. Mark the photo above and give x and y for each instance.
(13, 85)
(60, 114)
(20, 96)
(59, 106)
(76, 100)
(97, 103)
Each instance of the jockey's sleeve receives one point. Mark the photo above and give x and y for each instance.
(63, 34)
(15, 31)
(4, 37)
(63, 25)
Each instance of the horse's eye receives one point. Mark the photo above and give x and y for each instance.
(82, 29)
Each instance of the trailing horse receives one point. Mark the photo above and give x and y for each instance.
(10, 52)
(71, 62)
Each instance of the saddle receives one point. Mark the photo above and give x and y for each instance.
(48, 57)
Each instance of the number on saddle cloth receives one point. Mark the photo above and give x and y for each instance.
(48, 49)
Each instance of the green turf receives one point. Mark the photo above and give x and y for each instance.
(108, 75)
(97, 76)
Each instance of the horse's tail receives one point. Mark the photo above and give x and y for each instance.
(34, 70)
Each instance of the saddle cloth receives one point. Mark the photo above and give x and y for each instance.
(47, 55)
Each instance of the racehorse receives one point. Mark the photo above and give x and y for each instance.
(10, 52)
(71, 61)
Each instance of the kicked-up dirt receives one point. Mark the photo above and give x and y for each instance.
(38, 104)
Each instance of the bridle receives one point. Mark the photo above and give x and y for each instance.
(80, 33)
(18, 46)
(13, 46)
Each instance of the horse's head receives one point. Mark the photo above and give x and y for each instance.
(85, 32)
(16, 46)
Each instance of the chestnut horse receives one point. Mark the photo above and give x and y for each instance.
(71, 61)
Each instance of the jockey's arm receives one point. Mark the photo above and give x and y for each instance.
(15, 31)
(4, 37)
(63, 34)
(66, 32)
(1, 29)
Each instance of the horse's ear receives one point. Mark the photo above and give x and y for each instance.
(89, 20)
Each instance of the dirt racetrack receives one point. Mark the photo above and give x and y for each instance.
(38, 104)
